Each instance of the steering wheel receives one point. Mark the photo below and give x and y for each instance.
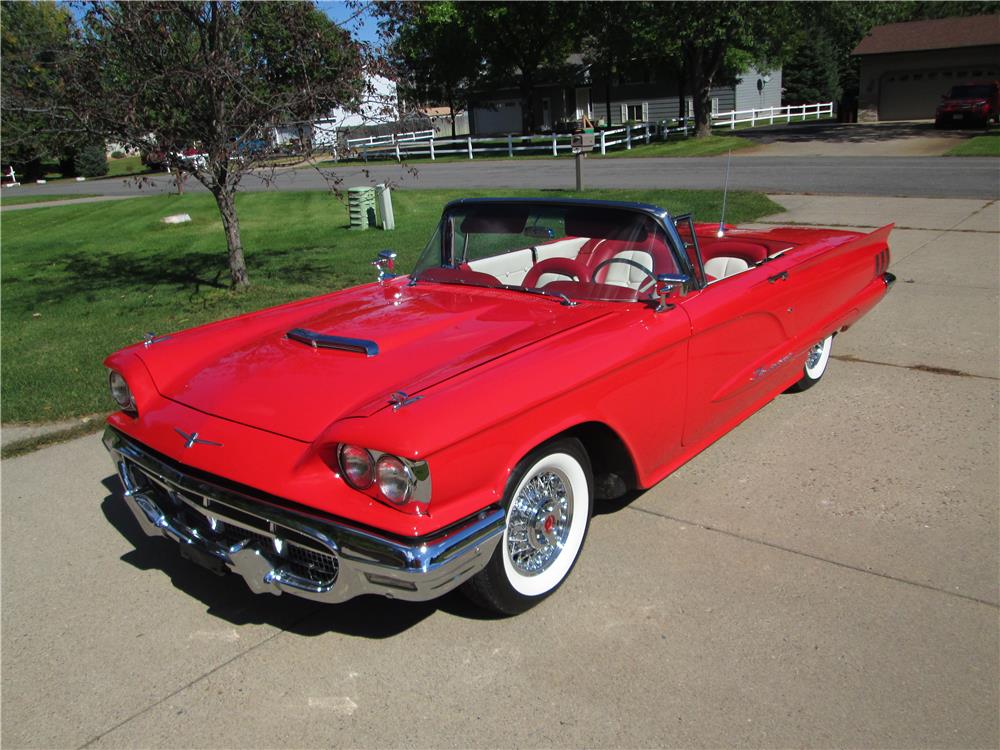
(563, 266)
(634, 264)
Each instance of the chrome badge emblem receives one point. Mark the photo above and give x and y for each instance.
(191, 440)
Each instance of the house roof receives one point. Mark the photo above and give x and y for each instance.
(940, 33)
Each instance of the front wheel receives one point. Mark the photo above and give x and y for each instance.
(815, 366)
(549, 500)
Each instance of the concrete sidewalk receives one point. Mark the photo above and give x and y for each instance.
(824, 575)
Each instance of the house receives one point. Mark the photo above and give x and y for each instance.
(638, 94)
(906, 67)
(380, 105)
(439, 120)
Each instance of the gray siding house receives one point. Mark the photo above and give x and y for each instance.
(630, 98)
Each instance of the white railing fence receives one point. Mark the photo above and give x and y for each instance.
(424, 144)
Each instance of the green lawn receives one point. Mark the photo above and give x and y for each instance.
(80, 281)
(127, 166)
(980, 145)
(678, 145)
(16, 200)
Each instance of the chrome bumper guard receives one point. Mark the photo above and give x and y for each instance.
(279, 549)
(888, 279)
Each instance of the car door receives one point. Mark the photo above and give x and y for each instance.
(739, 355)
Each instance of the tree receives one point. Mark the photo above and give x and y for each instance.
(34, 38)
(720, 39)
(614, 35)
(518, 41)
(436, 50)
(812, 74)
(212, 75)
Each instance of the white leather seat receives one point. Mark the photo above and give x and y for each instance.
(723, 266)
(623, 274)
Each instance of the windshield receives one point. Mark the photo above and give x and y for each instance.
(971, 92)
(580, 252)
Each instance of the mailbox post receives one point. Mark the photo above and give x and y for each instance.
(581, 142)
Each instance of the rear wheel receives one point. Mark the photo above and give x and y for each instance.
(816, 362)
(548, 500)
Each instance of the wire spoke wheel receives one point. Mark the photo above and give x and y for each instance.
(549, 499)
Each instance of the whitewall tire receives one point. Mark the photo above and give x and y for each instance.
(549, 499)
(816, 362)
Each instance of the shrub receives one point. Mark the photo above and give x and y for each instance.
(117, 154)
(91, 161)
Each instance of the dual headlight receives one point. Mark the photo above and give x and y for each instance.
(120, 391)
(396, 480)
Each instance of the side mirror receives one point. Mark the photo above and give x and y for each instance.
(671, 286)
(385, 263)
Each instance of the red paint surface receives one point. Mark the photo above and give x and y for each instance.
(499, 373)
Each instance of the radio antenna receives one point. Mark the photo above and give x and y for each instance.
(725, 194)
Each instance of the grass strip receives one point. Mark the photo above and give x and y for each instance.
(29, 445)
(980, 145)
(80, 281)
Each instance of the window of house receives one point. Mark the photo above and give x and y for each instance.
(635, 112)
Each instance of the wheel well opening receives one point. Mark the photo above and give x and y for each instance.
(614, 472)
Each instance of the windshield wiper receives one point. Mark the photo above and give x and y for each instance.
(563, 299)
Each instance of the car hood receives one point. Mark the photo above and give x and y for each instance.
(247, 370)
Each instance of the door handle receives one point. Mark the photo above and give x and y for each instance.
(783, 276)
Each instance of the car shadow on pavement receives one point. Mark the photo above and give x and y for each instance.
(228, 598)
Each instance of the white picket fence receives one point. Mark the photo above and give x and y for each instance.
(423, 143)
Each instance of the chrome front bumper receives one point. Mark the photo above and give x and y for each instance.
(280, 548)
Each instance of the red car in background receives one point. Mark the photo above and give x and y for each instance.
(973, 104)
(454, 427)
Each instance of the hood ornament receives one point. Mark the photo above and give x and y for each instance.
(191, 440)
(151, 338)
(400, 399)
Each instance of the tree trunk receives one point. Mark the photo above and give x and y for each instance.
(607, 97)
(527, 105)
(702, 75)
(226, 200)
(451, 111)
(682, 92)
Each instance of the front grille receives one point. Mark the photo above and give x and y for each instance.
(220, 522)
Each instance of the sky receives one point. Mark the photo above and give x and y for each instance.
(361, 24)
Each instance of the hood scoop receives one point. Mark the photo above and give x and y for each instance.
(323, 341)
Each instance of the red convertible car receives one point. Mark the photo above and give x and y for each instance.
(455, 426)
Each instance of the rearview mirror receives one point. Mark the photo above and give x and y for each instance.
(539, 233)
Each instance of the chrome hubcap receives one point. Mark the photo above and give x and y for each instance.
(539, 522)
(815, 354)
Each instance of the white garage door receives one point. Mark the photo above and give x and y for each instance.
(505, 118)
(913, 94)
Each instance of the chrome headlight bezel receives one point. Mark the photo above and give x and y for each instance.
(121, 392)
(346, 455)
(414, 474)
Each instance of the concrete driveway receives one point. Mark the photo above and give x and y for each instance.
(877, 139)
(825, 575)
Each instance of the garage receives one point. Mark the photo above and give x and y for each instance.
(913, 94)
(906, 67)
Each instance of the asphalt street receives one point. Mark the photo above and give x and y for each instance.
(824, 575)
(967, 177)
